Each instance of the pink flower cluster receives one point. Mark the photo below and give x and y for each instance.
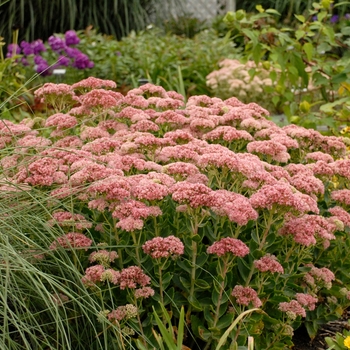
(228, 245)
(245, 296)
(166, 247)
(122, 313)
(292, 309)
(67, 219)
(268, 263)
(72, 240)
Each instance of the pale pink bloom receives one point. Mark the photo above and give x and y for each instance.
(93, 274)
(61, 121)
(171, 117)
(341, 215)
(321, 168)
(135, 210)
(175, 95)
(233, 205)
(268, 263)
(182, 169)
(144, 292)
(306, 300)
(342, 196)
(298, 169)
(245, 296)
(131, 277)
(280, 194)
(316, 156)
(112, 188)
(307, 184)
(198, 178)
(149, 190)
(144, 125)
(135, 100)
(66, 219)
(102, 145)
(103, 257)
(306, 228)
(163, 247)
(94, 83)
(195, 195)
(122, 313)
(179, 136)
(112, 125)
(99, 204)
(342, 168)
(276, 150)
(93, 133)
(224, 159)
(333, 145)
(169, 103)
(53, 89)
(69, 142)
(33, 141)
(227, 133)
(100, 98)
(130, 224)
(71, 240)
(284, 140)
(8, 128)
(319, 277)
(177, 153)
(228, 245)
(293, 309)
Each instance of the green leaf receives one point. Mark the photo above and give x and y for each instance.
(167, 337)
(309, 50)
(197, 306)
(225, 321)
(180, 329)
(345, 30)
(300, 18)
(299, 34)
(202, 284)
(339, 78)
(272, 11)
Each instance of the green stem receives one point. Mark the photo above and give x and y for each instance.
(137, 252)
(117, 239)
(161, 284)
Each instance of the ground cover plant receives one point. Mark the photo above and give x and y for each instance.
(149, 222)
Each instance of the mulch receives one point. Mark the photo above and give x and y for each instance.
(302, 341)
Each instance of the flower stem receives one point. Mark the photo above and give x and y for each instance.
(136, 244)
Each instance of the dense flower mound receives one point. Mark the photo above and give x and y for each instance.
(204, 203)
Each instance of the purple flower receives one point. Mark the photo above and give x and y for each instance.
(347, 16)
(13, 49)
(71, 38)
(82, 61)
(56, 43)
(26, 48)
(63, 61)
(72, 52)
(38, 46)
(334, 19)
(41, 66)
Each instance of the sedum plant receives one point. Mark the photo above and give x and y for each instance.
(231, 229)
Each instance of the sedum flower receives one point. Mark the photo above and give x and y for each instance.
(245, 296)
(166, 247)
(268, 263)
(292, 309)
(229, 245)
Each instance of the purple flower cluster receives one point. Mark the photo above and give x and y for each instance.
(67, 55)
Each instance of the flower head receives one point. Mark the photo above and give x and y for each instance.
(166, 247)
(245, 296)
(229, 245)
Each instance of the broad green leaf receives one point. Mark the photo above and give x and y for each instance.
(309, 50)
(301, 18)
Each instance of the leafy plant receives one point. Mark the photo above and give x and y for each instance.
(310, 80)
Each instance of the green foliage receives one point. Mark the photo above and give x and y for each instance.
(176, 63)
(310, 71)
(337, 342)
(41, 18)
